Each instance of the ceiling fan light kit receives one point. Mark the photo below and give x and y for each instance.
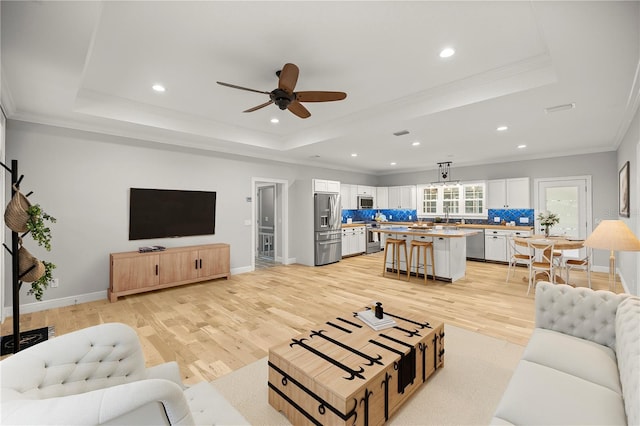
(284, 96)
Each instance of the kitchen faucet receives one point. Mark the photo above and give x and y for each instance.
(446, 214)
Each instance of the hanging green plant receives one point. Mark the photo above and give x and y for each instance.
(38, 286)
(40, 232)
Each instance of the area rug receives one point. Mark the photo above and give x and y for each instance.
(465, 392)
(27, 339)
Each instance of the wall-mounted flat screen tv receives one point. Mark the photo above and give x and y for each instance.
(161, 213)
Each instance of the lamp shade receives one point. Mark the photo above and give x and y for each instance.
(613, 235)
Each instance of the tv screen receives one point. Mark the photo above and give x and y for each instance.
(158, 213)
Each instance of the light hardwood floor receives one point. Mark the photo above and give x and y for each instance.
(216, 327)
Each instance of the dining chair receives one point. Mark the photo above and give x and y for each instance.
(518, 254)
(542, 260)
(583, 264)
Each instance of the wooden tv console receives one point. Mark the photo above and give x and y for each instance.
(133, 272)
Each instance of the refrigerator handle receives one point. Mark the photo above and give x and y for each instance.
(332, 205)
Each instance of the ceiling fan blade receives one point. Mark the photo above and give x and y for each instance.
(320, 96)
(241, 88)
(299, 110)
(255, 108)
(288, 77)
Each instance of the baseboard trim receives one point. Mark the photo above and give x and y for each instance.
(241, 270)
(28, 308)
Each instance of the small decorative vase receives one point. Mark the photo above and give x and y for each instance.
(546, 232)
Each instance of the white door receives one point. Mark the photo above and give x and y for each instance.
(569, 198)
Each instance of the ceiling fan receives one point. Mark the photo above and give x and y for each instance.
(286, 98)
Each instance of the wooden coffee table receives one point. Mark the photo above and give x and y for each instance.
(343, 372)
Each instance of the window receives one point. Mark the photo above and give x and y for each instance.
(430, 200)
(451, 199)
(473, 199)
(467, 199)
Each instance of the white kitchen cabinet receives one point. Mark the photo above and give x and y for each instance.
(496, 243)
(495, 246)
(450, 257)
(323, 185)
(366, 190)
(382, 198)
(348, 196)
(361, 239)
(508, 193)
(402, 197)
(353, 240)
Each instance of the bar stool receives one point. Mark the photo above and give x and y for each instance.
(426, 245)
(395, 245)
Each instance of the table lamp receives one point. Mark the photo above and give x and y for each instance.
(613, 235)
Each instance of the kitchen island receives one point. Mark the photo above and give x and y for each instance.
(449, 244)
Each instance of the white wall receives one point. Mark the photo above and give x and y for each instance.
(83, 180)
(627, 262)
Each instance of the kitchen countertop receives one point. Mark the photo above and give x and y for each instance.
(353, 225)
(446, 233)
(504, 227)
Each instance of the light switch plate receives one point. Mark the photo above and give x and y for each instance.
(524, 220)
(496, 219)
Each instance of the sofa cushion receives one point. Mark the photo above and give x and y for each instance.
(541, 395)
(575, 356)
(579, 312)
(628, 353)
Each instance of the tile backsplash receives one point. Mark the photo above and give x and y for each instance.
(393, 215)
(524, 217)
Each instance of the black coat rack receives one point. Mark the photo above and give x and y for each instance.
(13, 251)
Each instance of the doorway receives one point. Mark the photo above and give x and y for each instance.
(570, 199)
(269, 222)
(265, 245)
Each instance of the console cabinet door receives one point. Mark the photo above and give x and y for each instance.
(135, 272)
(215, 261)
(178, 266)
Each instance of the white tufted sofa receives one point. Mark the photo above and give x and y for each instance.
(582, 363)
(97, 376)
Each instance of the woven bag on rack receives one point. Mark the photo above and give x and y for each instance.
(25, 261)
(15, 215)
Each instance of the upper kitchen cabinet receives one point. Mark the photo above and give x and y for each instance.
(402, 197)
(382, 198)
(322, 185)
(366, 190)
(508, 194)
(348, 196)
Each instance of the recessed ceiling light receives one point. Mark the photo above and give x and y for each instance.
(447, 52)
(275, 120)
(393, 164)
(501, 128)
(158, 88)
(522, 146)
(416, 143)
(354, 155)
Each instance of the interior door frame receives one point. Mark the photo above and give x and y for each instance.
(588, 198)
(281, 209)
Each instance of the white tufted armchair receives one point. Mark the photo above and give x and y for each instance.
(97, 376)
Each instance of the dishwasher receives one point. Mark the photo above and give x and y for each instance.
(475, 246)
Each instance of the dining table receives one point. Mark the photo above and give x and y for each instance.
(561, 242)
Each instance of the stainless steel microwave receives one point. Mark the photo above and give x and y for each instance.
(365, 202)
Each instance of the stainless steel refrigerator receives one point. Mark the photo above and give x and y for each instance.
(327, 228)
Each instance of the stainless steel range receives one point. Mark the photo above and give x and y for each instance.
(373, 238)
